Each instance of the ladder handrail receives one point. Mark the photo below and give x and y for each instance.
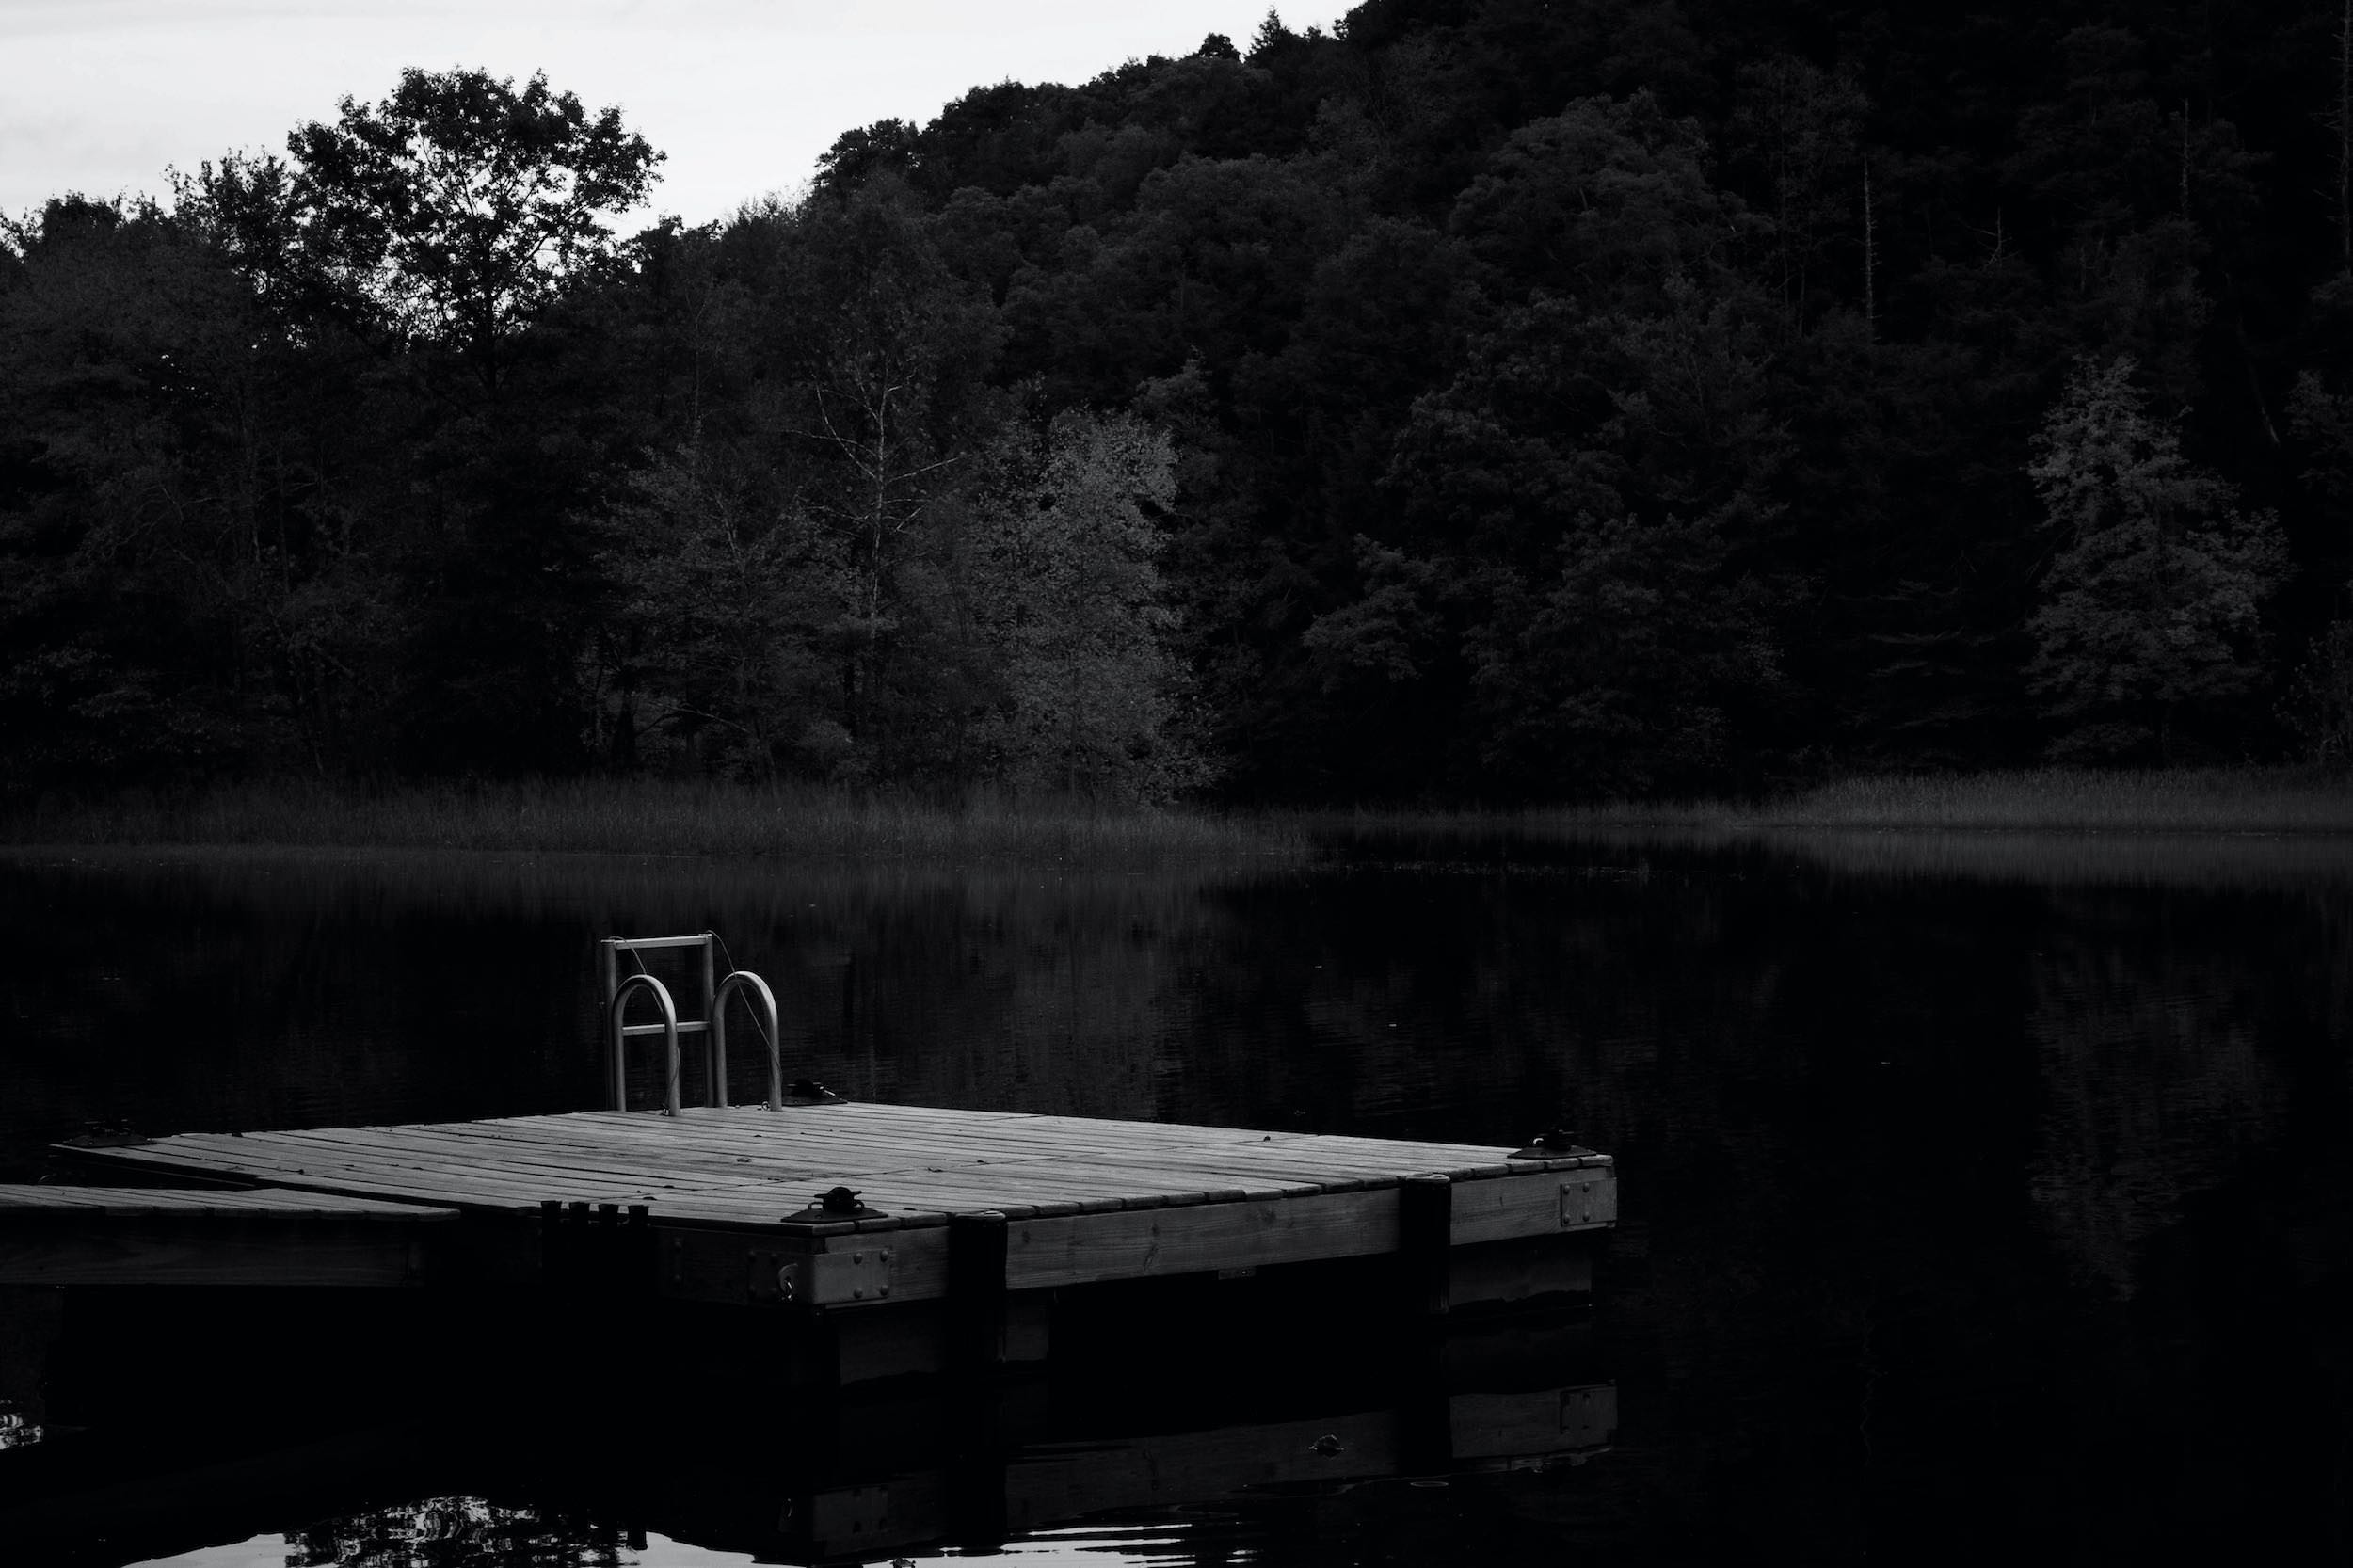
(616, 1041)
(712, 1026)
(766, 1001)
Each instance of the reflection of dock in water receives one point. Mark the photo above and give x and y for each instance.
(1039, 1486)
(852, 1473)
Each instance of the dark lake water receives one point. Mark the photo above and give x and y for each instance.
(1981, 1195)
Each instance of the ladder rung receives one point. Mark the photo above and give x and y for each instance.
(632, 1030)
(640, 944)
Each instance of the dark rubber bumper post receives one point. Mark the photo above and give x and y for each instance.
(1425, 1232)
(976, 1291)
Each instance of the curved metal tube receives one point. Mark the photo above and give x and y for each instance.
(616, 1040)
(764, 1000)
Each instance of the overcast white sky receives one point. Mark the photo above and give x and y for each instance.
(102, 96)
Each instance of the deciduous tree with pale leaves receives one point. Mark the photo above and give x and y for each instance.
(2151, 601)
(1066, 582)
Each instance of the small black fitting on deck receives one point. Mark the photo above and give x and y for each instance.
(107, 1135)
(833, 1204)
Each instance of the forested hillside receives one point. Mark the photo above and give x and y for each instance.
(1490, 401)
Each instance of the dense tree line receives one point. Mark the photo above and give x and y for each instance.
(1491, 399)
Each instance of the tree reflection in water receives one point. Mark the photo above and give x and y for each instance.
(16, 1430)
(455, 1533)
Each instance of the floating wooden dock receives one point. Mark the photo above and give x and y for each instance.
(839, 1207)
(808, 1202)
(1079, 1201)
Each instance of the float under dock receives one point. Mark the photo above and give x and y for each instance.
(730, 1204)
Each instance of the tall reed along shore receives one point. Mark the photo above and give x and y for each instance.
(663, 817)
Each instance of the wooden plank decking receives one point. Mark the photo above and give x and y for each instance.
(163, 1203)
(264, 1235)
(724, 1197)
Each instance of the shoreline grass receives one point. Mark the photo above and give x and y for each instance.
(2185, 800)
(664, 817)
(2041, 800)
(817, 822)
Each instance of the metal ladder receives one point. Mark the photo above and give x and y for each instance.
(712, 1026)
